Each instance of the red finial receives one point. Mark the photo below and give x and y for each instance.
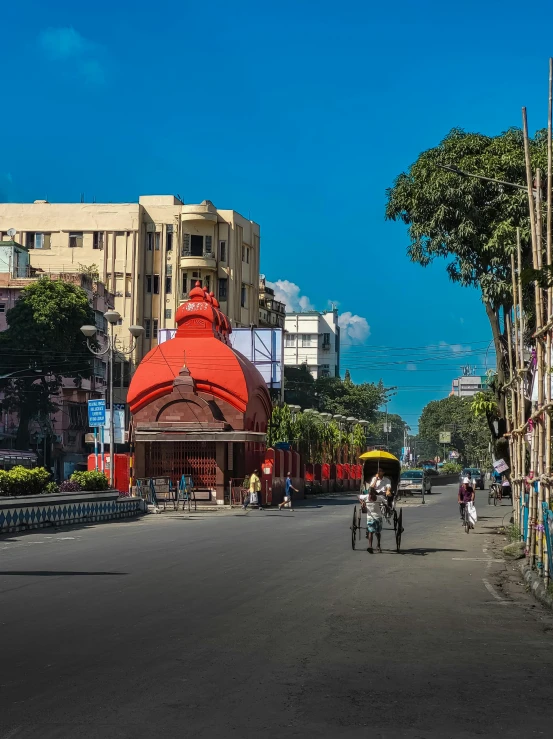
(214, 299)
(197, 292)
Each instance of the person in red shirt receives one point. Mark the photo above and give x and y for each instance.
(466, 495)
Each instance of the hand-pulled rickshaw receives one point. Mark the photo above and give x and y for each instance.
(390, 465)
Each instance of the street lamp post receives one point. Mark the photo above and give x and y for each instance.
(112, 317)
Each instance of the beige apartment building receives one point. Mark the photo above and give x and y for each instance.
(149, 254)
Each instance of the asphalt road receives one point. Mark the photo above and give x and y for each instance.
(268, 624)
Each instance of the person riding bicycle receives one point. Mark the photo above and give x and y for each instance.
(466, 495)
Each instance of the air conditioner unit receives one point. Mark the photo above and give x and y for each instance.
(58, 438)
(118, 294)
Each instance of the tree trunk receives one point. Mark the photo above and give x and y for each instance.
(498, 340)
(22, 439)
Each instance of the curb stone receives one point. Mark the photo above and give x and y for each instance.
(537, 588)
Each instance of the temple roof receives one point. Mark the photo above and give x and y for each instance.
(201, 345)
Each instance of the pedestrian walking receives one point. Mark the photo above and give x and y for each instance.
(371, 507)
(288, 490)
(254, 492)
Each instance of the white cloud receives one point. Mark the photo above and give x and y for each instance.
(289, 293)
(411, 367)
(354, 329)
(455, 348)
(66, 45)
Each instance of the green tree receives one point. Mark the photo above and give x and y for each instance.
(470, 222)
(299, 386)
(361, 401)
(395, 438)
(42, 345)
(470, 436)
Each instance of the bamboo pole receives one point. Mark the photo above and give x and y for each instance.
(521, 404)
(511, 415)
(549, 250)
(535, 224)
(540, 357)
(514, 361)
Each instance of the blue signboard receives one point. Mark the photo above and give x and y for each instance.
(97, 412)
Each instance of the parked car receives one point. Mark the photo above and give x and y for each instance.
(415, 481)
(476, 475)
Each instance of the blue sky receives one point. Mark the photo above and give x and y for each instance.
(297, 114)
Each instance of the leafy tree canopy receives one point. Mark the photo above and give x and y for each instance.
(470, 436)
(42, 345)
(469, 221)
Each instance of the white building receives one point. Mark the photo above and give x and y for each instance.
(468, 385)
(313, 339)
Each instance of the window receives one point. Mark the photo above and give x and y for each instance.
(223, 251)
(196, 245)
(169, 269)
(75, 239)
(99, 368)
(98, 240)
(148, 283)
(184, 283)
(37, 240)
(243, 296)
(155, 328)
(156, 284)
(326, 340)
(150, 241)
(168, 284)
(169, 238)
(306, 340)
(185, 250)
(290, 340)
(147, 328)
(157, 240)
(208, 251)
(207, 282)
(223, 287)
(246, 254)
(2, 307)
(168, 312)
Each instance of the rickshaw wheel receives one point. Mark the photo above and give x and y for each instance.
(354, 527)
(359, 523)
(395, 521)
(399, 530)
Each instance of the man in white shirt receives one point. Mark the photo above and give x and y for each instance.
(382, 485)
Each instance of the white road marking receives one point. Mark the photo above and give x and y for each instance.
(490, 588)
(475, 559)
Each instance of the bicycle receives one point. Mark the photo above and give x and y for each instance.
(496, 493)
(467, 525)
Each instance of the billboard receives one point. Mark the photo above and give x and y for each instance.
(264, 347)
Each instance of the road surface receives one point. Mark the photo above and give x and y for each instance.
(268, 624)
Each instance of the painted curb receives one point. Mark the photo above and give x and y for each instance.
(535, 583)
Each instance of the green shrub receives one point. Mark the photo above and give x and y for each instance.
(91, 480)
(22, 481)
(52, 488)
(450, 468)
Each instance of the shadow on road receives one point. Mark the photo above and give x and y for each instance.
(423, 551)
(54, 573)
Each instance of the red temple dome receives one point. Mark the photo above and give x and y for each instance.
(217, 370)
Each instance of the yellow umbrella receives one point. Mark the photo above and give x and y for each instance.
(378, 454)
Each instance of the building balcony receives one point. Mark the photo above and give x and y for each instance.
(203, 262)
(204, 211)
